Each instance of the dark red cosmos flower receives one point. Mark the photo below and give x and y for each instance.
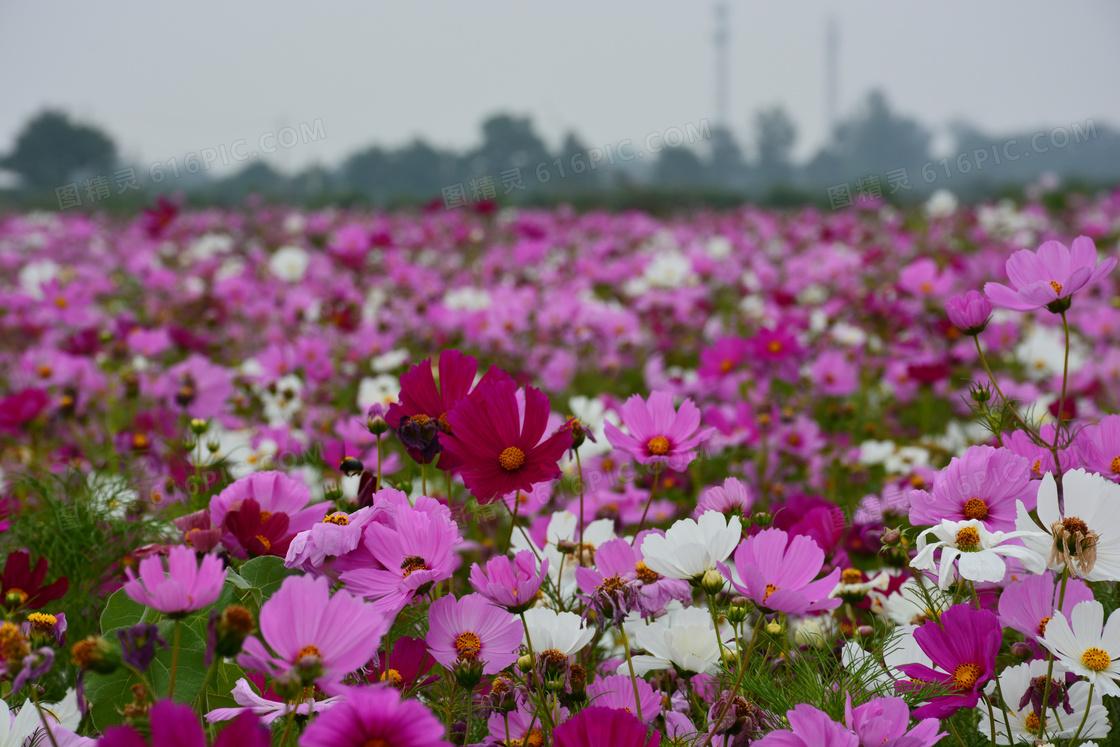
(23, 585)
(258, 532)
(407, 662)
(501, 452)
(19, 409)
(155, 220)
(422, 404)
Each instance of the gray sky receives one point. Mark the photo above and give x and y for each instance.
(167, 79)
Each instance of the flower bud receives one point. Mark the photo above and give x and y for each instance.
(774, 628)
(865, 631)
(95, 654)
(375, 419)
(712, 581)
(229, 628)
(737, 610)
(525, 663)
(1021, 650)
(892, 537)
(762, 518)
(198, 426)
(468, 673)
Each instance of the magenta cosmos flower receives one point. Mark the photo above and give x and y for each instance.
(1049, 277)
(500, 451)
(964, 648)
(886, 721)
(422, 402)
(596, 726)
(417, 551)
(982, 484)
(510, 584)
(1028, 605)
(777, 573)
(659, 433)
(809, 727)
(471, 630)
(175, 725)
(969, 313)
(617, 691)
(375, 716)
(275, 493)
(187, 587)
(311, 631)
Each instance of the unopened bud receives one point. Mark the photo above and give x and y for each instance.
(892, 537)
(525, 663)
(712, 582)
(198, 426)
(231, 627)
(865, 631)
(468, 673)
(1021, 650)
(762, 518)
(774, 628)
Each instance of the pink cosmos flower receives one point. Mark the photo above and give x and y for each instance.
(886, 721)
(501, 451)
(472, 630)
(1100, 447)
(417, 551)
(336, 535)
(969, 313)
(1028, 605)
(176, 725)
(1049, 277)
(375, 716)
(188, 586)
(619, 560)
(617, 691)
(982, 484)
(510, 584)
(963, 647)
(659, 433)
(777, 573)
(834, 374)
(313, 632)
(922, 278)
(275, 493)
(266, 708)
(726, 356)
(596, 726)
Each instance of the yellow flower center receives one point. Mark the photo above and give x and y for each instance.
(1036, 468)
(264, 541)
(511, 459)
(850, 576)
(1042, 625)
(917, 481)
(726, 365)
(1032, 723)
(61, 302)
(658, 446)
(1114, 465)
(770, 589)
(1096, 659)
(645, 574)
(306, 651)
(393, 677)
(468, 645)
(1056, 286)
(420, 419)
(968, 539)
(139, 441)
(41, 622)
(339, 518)
(965, 676)
(774, 346)
(44, 371)
(975, 508)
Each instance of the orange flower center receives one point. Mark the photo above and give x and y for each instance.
(851, 576)
(770, 589)
(1036, 468)
(264, 541)
(968, 539)
(139, 441)
(1056, 286)
(658, 446)
(511, 459)
(377, 742)
(420, 419)
(1042, 625)
(965, 676)
(468, 645)
(20, 593)
(1075, 526)
(393, 677)
(44, 371)
(306, 651)
(1096, 659)
(1032, 723)
(917, 481)
(339, 518)
(1114, 465)
(774, 346)
(975, 508)
(645, 574)
(726, 365)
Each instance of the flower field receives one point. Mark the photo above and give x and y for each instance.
(524, 477)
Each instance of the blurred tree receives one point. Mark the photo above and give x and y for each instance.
(420, 170)
(775, 135)
(876, 140)
(573, 155)
(507, 142)
(51, 150)
(680, 167)
(728, 168)
(369, 172)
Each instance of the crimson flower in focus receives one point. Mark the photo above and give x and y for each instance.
(23, 585)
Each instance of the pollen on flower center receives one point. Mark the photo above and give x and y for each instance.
(377, 742)
(1056, 286)
(1114, 465)
(614, 583)
(965, 676)
(850, 576)
(658, 446)
(1032, 723)
(338, 518)
(646, 574)
(41, 622)
(774, 346)
(726, 365)
(1074, 525)
(770, 589)
(413, 563)
(468, 645)
(264, 541)
(968, 539)
(511, 458)
(420, 419)
(1036, 468)
(554, 658)
(443, 424)
(975, 508)
(1096, 659)
(306, 651)
(393, 677)
(1042, 625)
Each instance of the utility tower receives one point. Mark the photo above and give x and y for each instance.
(721, 64)
(831, 72)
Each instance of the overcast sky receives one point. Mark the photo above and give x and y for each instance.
(167, 79)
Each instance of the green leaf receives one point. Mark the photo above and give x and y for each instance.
(108, 693)
(120, 612)
(266, 573)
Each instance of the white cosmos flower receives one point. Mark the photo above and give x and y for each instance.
(978, 549)
(556, 631)
(64, 717)
(690, 548)
(564, 527)
(683, 639)
(1092, 505)
(289, 263)
(899, 649)
(382, 388)
(906, 606)
(1085, 648)
(1023, 721)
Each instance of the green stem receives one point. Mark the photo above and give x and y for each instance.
(1061, 407)
(992, 719)
(291, 720)
(1003, 703)
(633, 677)
(467, 723)
(209, 676)
(995, 384)
(174, 660)
(54, 743)
(424, 479)
(652, 491)
(513, 519)
(1088, 707)
(379, 461)
(739, 678)
(579, 474)
(1050, 654)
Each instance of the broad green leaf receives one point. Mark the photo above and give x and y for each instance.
(266, 573)
(121, 612)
